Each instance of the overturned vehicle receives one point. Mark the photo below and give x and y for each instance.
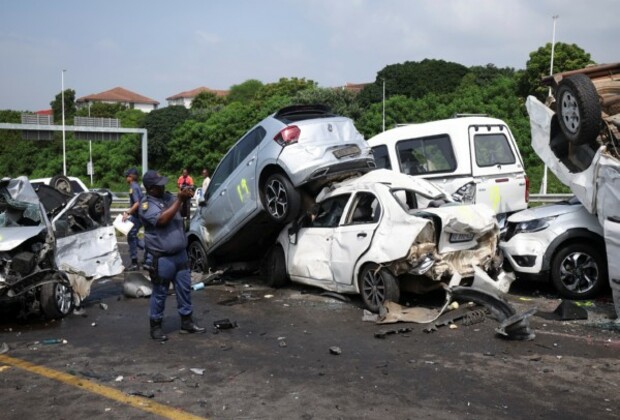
(384, 232)
(52, 246)
(577, 135)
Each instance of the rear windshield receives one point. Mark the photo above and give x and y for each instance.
(426, 155)
(493, 149)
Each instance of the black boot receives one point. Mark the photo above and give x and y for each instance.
(188, 325)
(156, 332)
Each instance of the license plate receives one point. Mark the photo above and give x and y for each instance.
(346, 151)
(461, 237)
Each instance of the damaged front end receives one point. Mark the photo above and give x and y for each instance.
(460, 243)
(47, 266)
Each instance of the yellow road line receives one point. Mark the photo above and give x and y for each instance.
(107, 392)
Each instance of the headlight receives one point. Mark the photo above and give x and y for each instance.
(535, 225)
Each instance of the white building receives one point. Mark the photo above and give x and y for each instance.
(119, 95)
(185, 98)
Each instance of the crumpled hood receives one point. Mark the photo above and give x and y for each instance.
(542, 212)
(473, 218)
(11, 238)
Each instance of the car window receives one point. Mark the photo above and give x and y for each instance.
(493, 149)
(382, 159)
(330, 211)
(222, 172)
(365, 209)
(77, 188)
(426, 155)
(247, 144)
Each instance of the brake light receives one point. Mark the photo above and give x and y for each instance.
(527, 189)
(288, 135)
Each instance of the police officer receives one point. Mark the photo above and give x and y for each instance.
(135, 196)
(165, 240)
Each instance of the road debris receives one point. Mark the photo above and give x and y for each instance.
(197, 371)
(4, 348)
(337, 296)
(335, 350)
(145, 394)
(225, 324)
(565, 311)
(136, 285)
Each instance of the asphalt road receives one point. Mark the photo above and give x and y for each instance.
(277, 363)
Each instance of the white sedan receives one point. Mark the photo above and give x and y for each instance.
(385, 232)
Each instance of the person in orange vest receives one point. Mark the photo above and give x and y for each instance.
(185, 180)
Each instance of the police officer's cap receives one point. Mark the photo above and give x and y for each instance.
(131, 171)
(152, 178)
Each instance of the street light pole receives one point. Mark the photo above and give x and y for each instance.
(64, 151)
(543, 187)
(383, 104)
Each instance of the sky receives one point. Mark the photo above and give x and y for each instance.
(161, 48)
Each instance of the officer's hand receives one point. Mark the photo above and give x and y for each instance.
(185, 194)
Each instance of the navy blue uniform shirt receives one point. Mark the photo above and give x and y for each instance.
(169, 239)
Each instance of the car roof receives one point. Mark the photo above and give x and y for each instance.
(432, 128)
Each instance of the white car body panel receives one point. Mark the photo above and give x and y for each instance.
(331, 258)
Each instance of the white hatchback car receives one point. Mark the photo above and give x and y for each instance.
(383, 232)
(563, 242)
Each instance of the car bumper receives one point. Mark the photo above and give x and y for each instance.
(525, 255)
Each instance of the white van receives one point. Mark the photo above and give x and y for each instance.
(474, 158)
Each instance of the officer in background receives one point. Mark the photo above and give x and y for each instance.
(135, 197)
(165, 240)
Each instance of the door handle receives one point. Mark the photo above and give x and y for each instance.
(250, 162)
(361, 235)
(223, 192)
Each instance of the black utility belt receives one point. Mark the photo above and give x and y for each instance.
(163, 254)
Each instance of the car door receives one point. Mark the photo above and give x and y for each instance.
(243, 196)
(218, 210)
(309, 258)
(497, 169)
(354, 236)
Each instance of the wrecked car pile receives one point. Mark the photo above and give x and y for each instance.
(52, 246)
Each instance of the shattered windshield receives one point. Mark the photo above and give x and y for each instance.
(19, 204)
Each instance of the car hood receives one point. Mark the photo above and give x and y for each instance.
(542, 212)
(11, 238)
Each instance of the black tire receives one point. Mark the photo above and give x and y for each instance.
(579, 270)
(280, 199)
(56, 299)
(275, 272)
(198, 260)
(62, 183)
(96, 208)
(377, 285)
(578, 109)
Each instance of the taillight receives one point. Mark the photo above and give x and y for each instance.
(288, 135)
(527, 189)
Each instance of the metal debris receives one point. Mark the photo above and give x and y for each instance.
(225, 324)
(136, 285)
(335, 350)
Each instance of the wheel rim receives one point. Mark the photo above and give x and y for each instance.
(196, 257)
(277, 200)
(373, 287)
(62, 297)
(579, 272)
(570, 112)
(62, 185)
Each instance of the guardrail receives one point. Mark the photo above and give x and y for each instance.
(120, 204)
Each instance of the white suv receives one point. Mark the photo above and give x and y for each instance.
(475, 158)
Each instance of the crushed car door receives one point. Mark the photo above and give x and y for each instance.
(497, 166)
(218, 211)
(354, 237)
(310, 256)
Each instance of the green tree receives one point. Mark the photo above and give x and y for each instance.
(414, 80)
(70, 109)
(245, 91)
(341, 101)
(207, 100)
(160, 124)
(566, 57)
(284, 87)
